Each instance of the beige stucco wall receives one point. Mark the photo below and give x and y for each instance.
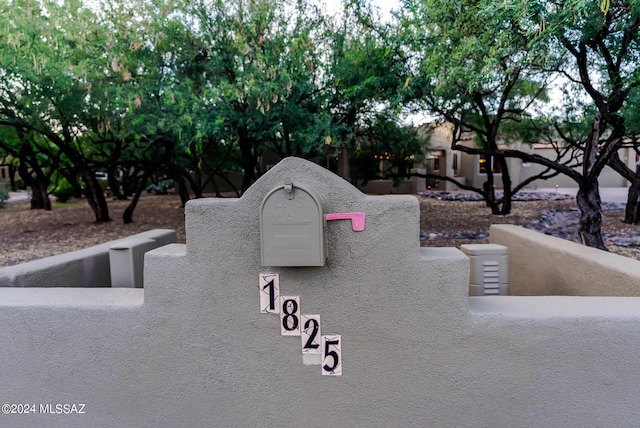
(542, 265)
(192, 349)
(608, 177)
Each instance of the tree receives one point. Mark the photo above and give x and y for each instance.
(385, 149)
(366, 71)
(260, 67)
(603, 44)
(595, 52)
(478, 69)
(35, 164)
(154, 109)
(631, 113)
(46, 83)
(632, 209)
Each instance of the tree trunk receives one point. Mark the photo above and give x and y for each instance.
(229, 182)
(37, 203)
(588, 200)
(39, 195)
(184, 182)
(506, 187)
(95, 197)
(211, 178)
(114, 185)
(42, 181)
(506, 201)
(182, 190)
(490, 194)
(248, 159)
(196, 187)
(12, 178)
(27, 168)
(632, 215)
(127, 215)
(588, 197)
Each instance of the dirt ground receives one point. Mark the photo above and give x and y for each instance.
(31, 234)
(458, 217)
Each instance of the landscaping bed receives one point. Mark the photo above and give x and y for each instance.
(450, 221)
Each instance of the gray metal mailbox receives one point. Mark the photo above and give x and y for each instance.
(292, 227)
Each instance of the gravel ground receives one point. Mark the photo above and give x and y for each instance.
(31, 234)
(451, 223)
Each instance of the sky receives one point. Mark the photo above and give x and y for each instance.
(385, 6)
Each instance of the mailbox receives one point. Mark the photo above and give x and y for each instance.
(292, 227)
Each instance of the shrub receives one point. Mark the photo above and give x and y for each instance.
(63, 190)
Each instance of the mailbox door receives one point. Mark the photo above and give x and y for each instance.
(292, 228)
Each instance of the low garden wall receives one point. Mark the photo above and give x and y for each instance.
(386, 187)
(543, 265)
(88, 267)
(400, 342)
(403, 187)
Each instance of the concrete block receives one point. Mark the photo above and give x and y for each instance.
(489, 269)
(126, 262)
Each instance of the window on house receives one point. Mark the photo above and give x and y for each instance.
(495, 166)
(455, 164)
(433, 163)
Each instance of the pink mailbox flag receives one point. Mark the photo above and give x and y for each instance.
(357, 219)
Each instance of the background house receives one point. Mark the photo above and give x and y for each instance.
(471, 169)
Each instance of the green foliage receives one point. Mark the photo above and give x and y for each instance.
(265, 72)
(600, 41)
(367, 70)
(632, 112)
(475, 59)
(487, 66)
(187, 88)
(62, 190)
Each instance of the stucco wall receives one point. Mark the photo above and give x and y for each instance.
(387, 187)
(607, 178)
(417, 351)
(88, 267)
(542, 265)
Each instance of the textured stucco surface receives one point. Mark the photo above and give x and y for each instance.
(417, 350)
(88, 267)
(543, 265)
